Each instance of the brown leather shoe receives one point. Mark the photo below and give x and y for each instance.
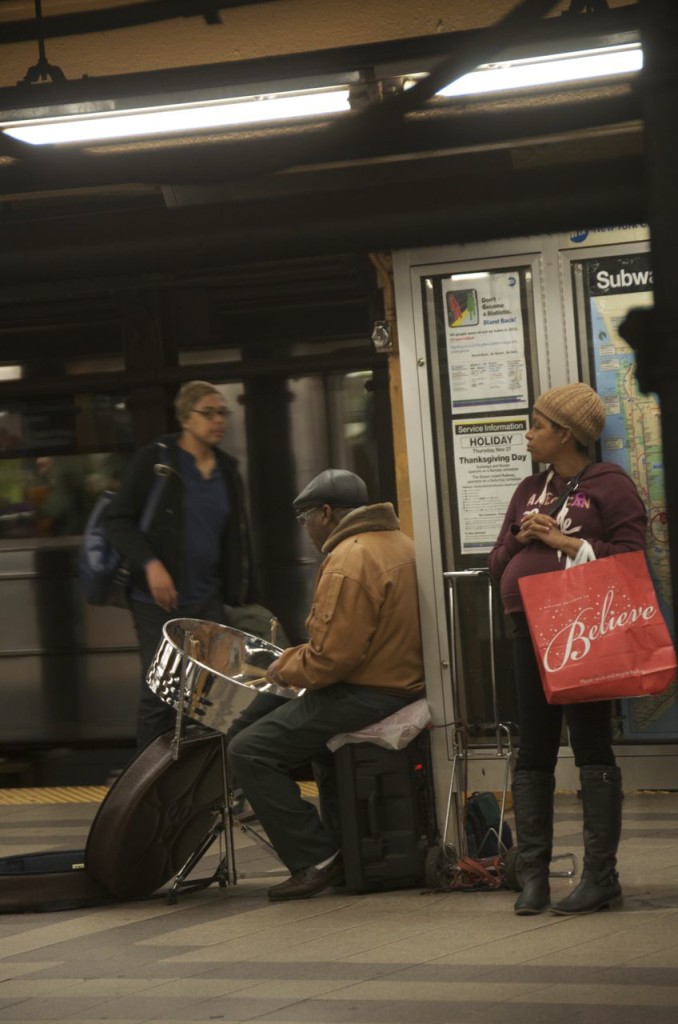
(309, 881)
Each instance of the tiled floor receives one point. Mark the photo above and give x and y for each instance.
(229, 955)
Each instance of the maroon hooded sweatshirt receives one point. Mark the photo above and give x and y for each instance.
(606, 510)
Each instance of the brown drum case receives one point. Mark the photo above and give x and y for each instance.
(155, 816)
(160, 809)
(148, 825)
(48, 881)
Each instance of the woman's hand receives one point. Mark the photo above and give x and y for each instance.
(540, 527)
(161, 585)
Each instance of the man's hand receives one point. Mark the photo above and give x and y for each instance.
(272, 674)
(161, 585)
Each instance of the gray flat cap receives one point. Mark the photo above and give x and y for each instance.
(335, 487)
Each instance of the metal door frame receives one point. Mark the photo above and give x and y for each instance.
(645, 766)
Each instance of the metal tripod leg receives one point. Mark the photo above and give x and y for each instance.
(222, 824)
(181, 884)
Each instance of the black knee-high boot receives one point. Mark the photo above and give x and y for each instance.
(533, 810)
(599, 882)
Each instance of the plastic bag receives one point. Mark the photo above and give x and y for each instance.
(393, 733)
(597, 631)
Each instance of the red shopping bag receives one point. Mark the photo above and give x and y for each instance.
(597, 631)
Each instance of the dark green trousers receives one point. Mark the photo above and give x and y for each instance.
(266, 749)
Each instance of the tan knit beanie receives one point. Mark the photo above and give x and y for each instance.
(575, 406)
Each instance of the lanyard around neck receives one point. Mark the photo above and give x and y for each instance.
(571, 487)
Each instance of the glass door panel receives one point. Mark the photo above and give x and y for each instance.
(479, 323)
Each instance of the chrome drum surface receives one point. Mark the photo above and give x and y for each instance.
(224, 670)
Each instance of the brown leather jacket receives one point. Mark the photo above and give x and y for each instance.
(364, 622)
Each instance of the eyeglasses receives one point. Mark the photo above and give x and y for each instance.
(302, 517)
(212, 414)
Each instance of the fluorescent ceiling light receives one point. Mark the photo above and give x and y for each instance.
(180, 117)
(548, 70)
(469, 277)
(10, 373)
(208, 115)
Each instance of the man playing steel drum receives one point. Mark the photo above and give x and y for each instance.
(362, 662)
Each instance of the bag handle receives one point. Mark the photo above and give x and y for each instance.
(571, 487)
(584, 554)
(154, 495)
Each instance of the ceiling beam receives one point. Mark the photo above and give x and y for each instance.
(492, 199)
(146, 12)
(253, 155)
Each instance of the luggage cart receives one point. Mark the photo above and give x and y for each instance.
(449, 866)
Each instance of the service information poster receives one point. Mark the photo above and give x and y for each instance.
(491, 459)
(485, 341)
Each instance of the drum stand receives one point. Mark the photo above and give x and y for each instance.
(224, 823)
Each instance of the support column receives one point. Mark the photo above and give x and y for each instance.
(383, 264)
(655, 334)
(272, 487)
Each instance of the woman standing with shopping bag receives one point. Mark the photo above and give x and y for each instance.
(552, 514)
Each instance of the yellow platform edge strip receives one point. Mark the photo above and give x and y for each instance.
(53, 795)
(84, 794)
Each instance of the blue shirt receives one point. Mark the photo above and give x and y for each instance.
(206, 511)
(205, 514)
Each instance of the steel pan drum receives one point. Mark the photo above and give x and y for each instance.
(224, 670)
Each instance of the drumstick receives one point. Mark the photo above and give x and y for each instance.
(281, 686)
(263, 679)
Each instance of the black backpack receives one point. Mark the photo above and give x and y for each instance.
(103, 572)
(482, 827)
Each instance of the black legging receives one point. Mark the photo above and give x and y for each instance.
(540, 723)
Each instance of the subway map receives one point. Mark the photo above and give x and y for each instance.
(632, 439)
